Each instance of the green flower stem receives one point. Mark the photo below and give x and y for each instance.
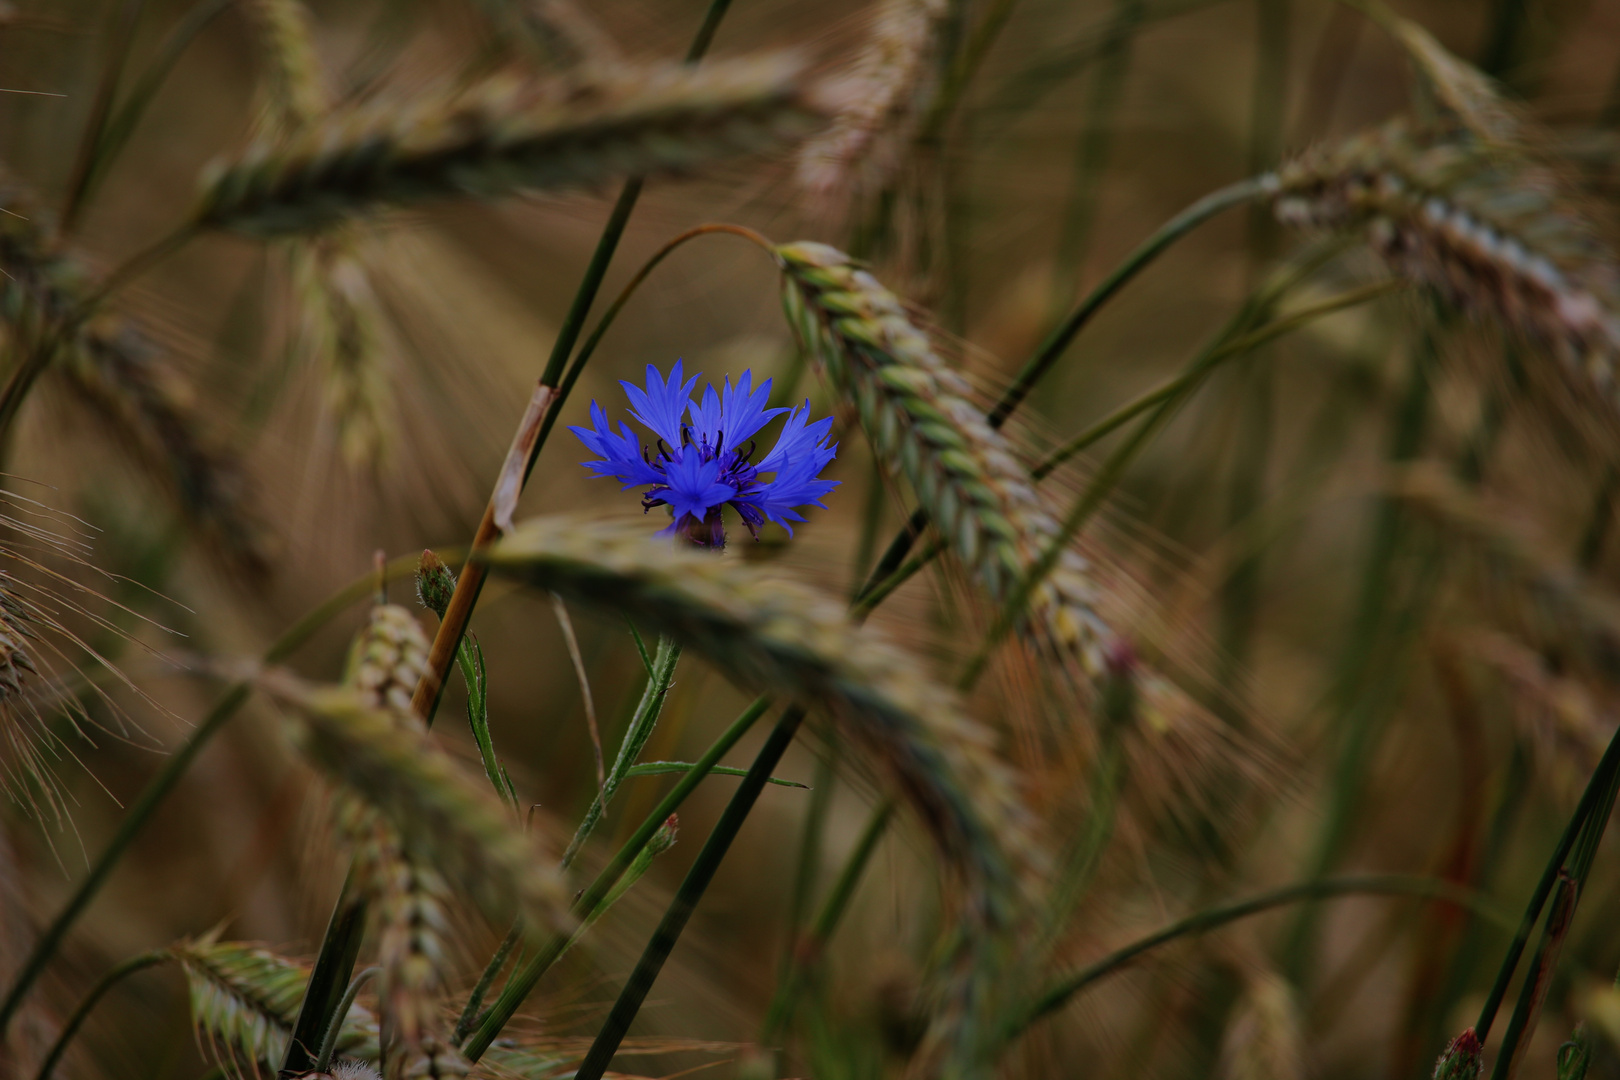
(1537, 979)
(105, 983)
(119, 41)
(809, 947)
(653, 696)
(341, 1013)
(1599, 789)
(175, 767)
(475, 1000)
(1061, 992)
(522, 983)
(686, 898)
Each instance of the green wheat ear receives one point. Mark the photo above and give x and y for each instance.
(916, 411)
(244, 1000)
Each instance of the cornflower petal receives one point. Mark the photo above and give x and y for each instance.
(743, 411)
(662, 404)
(621, 452)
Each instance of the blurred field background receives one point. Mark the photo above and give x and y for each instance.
(1389, 694)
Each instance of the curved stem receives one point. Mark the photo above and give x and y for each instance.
(1059, 994)
(1061, 336)
(173, 769)
(589, 348)
(335, 1028)
(116, 132)
(105, 983)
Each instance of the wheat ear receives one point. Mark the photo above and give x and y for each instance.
(111, 366)
(1489, 229)
(916, 411)
(296, 93)
(244, 1000)
(505, 135)
(387, 761)
(408, 898)
(891, 77)
(776, 634)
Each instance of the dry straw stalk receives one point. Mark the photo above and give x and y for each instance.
(506, 135)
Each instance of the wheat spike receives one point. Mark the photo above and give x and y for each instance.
(916, 412)
(1491, 230)
(891, 82)
(778, 635)
(408, 898)
(244, 1002)
(386, 760)
(558, 30)
(296, 91)
(112, 367)
(505, 135)
(388, 659)
(1467, 95)
(119, 373)
(1264, 1040)
(341, 333)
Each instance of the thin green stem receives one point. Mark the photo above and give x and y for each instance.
(114, 975)
(1597, 788)
(119, 42)
(1064, 990)
(808, 949)
(334, 1029)
(475, 1000)
(1197, 370)
(121, 126)
(686, 898)
(653, 696)
(1058, 341)
(522, 983)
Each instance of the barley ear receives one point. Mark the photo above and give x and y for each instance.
(244, 1001)
(1495, 233)
(506, 135)
(916, 412)
(387, 761)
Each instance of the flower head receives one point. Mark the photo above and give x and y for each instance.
(702, 457)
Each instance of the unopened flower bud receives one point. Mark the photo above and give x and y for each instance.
(434, 583)
(1462, 1059)
(664, 839)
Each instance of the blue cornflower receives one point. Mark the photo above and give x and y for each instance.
(702, 459)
